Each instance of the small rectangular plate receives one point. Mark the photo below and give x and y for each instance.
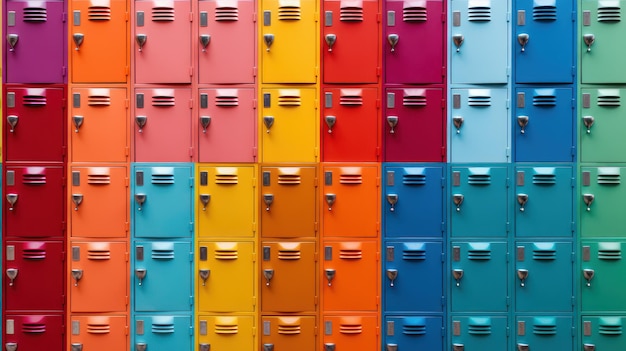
(139, 253)
(521, 17)
(328, 18)
(10, 254)
(75, 178)
(390, 328)
(328, 178)
(266, 253)
(456, 18)
(521, 100)
(391, 175)
(586, 178)
(456, 253)
(75, 253)
(10, 178)
(586, 253)
(391, 18)
(520, 253)
(204, 178)
(204, 100)
(521, 328)
(77, 17)
(75, 327)
(204, 19)
(520, 178)
(140, 19)
(390, 253)
(139, 100)
(267, 18)
(76, 100)
(328, 253)
(391, 100)
(204, 255)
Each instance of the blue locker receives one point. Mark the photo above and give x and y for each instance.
(479, 201)
(413, 333)
(544, 201)
(545, 333)
(479, 127)
(162, 200)
(413, 200)
(479, 333)
(603, 333)
(602, 276)
(162, 333)
(543, 44)
(479, 42)
(408, 267)
(162, 274)
(601, 197)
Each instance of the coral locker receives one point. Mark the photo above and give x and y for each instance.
(99, 125)
(354, 332)
(413, 333)
(600, 195)
(162, 332)
(602, 118)
(413, 42)
(227, 125)
(226, 332)
(35, 30)
(479, 43)
(601, 265)
(544, 333)
(226, 43)
(288, 41)
(163, 114)
(33, 278)
(99, 332)
(227, 201)
(34, 332)
(350, 41)
(289, 333)
(163, 41)
(350, 125)
(603, 332)
(35, 129)
(99, 39)
(414, 125)
(479, 332)
(600, 22)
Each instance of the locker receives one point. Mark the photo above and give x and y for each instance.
(34, 332)
(287, 277)
(350, 126)
(35, 124)
(351, 44)
(223, 60)
(413, 333)
(162, 332)
(601, 20)
(283, 333)
(227, 125)
(226, 277)
(479, 41)
(351, 333)
(98, 276)
(543, 201)
(155, 265)
(99, 35)
(602, 267)
(480, 333)
(288, 41)
(226, 332)
(415, 125)
(350, 204)
(547, 333)
(28, 190)
(413, 45)
(33, 278)
(478, 279)
(413, 277)
(163, 27)
(413, 200)
(601, 217)
(288, 127)
(543, 45)
(231, 201)
(98, 202)
(602, 332)
(166, 116)
(479, 201)
(99, 332)
(35, 29)
(99, 125)
(601, 141)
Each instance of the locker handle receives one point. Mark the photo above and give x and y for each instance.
(141, 273)
(393, 122)
(12, 274)
(588, 274)
(522, 39)
(457, 274)
(268, 347)
(330, 275)
(12, 199)
(522, 274)
(589, 347)
(205, 121)
(523, 122)
(77, 199)
(78, 40)
(141, 40)
(522, 347)
(392, 274)
(393, 200)
(588, 199)
(589, 39)
(78, 122)
(204, 275)
(11, 346)
(268, 274)
(391, 347)
(330, 122)
(458, 41)
(458, 200)
(12, 120)
(141, 199)
(522, 199)
(141, 346)
(77, 274)
(77, 347)
(205, 347)
(269, 40)
(141, 122)
(205, 39)
(331, 39)
(393, 41)
(269, 122)
(268, 199)
(458, 123)
(330, 200)
(205, 199)
(12, 39)
(588, 122)
(329, 347)
(458, 347)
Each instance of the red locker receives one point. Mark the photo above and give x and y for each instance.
(34, 332)
(99, 333)
(344, 333)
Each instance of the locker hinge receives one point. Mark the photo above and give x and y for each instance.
(508, 103)
(443, 301)
(573, 182)
(190, 103)
(126, 300)
(443, 227)
(190, 300)
(316, 300)
(126, 228)
(573, 255)
(254, 73)
(191, 257)
(377, 151)
(191, 182)
(126, 18)
(254, 151)
(508, 331)
(573, 71)
(573, 16)
(126, 330)
(443, 71)
(254, 17)
(315, 182)
(126, 256)
(573, 104)
(64, 71)
(443, 182)
(443, 17)
(190, 16)
(507, 257)
(507, 182)
(508, 152)
(253, 331)
(315, 226)
(191, 71)
(126, 70)
(443, 103)
(573, 227)
(253, 301)
(508, 301)
(443, 152)
(127, 103)
(191, 227)
(377, 255)
(316, 17)
(126, 182)
(254, 260)
(508, 17)
(317, 104)
(378, 71)
(443, 257)
(191, 151)
(254, 101)
(316, 152)
(126, 152)
(508, 227)
(377, 331)
(377, 103)
(191, 330)
(64, 17)
(443, 331)
(379, 17)
(254, 182)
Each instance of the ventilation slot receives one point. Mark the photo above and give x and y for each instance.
(98, 255)
(350, 329)
(289, 329)
(34, 100)
(544, 13)
(163, 254)
(163, 101)
(226, 254)
(162, 179)
(35, 14)
(479, 329)
(226, 179)
(350, 179)
(479, 101)
(608, 178)
(226, 101)
(414, 329)
(98, 328)
(544, 329)
(289, 13)
(289, 179)
(350, 254)
(610, 14)
(97, 100)
(34, 254)
(226, 329)
(544, 100)
(354, 100)
(414, 255)
(610, 329)
(414, 14)
(98, 179)
(163, 14)
(351, 14)
(479, 179)
(414, 179)
(226, 14)
(414, 100)
(608, 100)
(287, 100)
(34, 179)
(547, 255)
(33, 328)
(544, 179)
(610, 254)
(289, 254)
(162, 328)
(479, 14)
(479, 254)
(99, 13)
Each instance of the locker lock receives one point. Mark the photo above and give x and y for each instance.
(268, 347)
(588, 199)
(12, 199)
(458, 39)
(330, 122)
(205, 199)
(522, 39)
(204, 275)
(391, 347)
(78, 122)
(12, 120)
(393, 122)
(589, 39)
(393, 41)
(77, 274)
(588, 122)
(392, 274)
(140, 198)
(268, 274)
(205, 121)
(141, 122)
(588, 274)
(78, 40)
(330, 200)
(269, 122)
(268, 39)
(329, 347)
(141, 273)
(522, 199)
(205, 347)
(11, 346)
(522, 274)
(393, 200)
(12, 274)
(77, 347)
(457, 274)
(77, 199)
(141, 40)
(141, 346)
(330, 275)
(522, 347)
(458, 347)
(268, 199)
(589, 347)
(458, 200)
(12, 40)
(522, 121)
(331, 39)
(205, 39)
(458, 123)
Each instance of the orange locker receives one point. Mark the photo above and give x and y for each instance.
(287, 277)
(345, 333)
(226, 333)
(98, 333)
(283, 333)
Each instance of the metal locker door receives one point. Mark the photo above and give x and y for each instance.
(99, 332)
(351, 332)
(413, 333)
(289, 333)
(603, 332)
(547, 333)
(601, 264)
(602, 118)
(34, 332)
(484, 333)
(162, 332)
(226, 332)
(600, 198)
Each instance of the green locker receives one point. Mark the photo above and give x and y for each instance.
(601, 202)
(602, 277)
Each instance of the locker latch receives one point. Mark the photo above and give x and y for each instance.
(12, 120)
(393, 41)
(141, 122)
(78, 40)
(329, 347)
(205, 121)
(11, 346)
(141, 40)
(77, 199)
(589, 39)
(393, 122)
(458, 200)
(522, 39)
(331, 39)
(522, 347)
(458, 123)
(12, 40)
(330, 200)
(522, 199)
(588, 274)
(204, 275)
(522, 274)
(458, 41)
(269, 122)
(392, 274)
(457, 274)
(205, 39)
(589, 347)
(12, 274)
(391, 347)
(268, 199)
(77, 347)
(588, 199)
(205, 347)
(268, 347)
(269, 40)
(588, 122)
(458, 347)
(523, 122)
(204, 199)
(330, 122)
(141, 273)
(268, 274)
(77, 274)
(393, 200)
(141, 199)
(330, 275)
(12, 199)
(78, 122)
(141, 346)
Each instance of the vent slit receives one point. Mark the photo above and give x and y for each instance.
(414, 14)
(99, 13)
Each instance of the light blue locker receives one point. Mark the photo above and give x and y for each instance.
(479, 333)
(408, 332)
(162, 333)
(544, 333)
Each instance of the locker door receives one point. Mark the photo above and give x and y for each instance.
(351, 201)
(162, 333)
(602, 118)
(601, 194)
(601, 21)
(227, 125)
(35, 129)
(34, 332)
(479, 277)
(407, 267)
(479, 129)
(163, 27)
(289, 333)
(351, 333)
(350, 125)
(544, 201)
(222, 59)
(98, 277)
(166, 116)
(544, 129)
(351, 44)
(413, 333)
(547, 333)
(35, 29)
(99, 125)
(29, 190)
(162, 201)
(543, 277)
(478, 201)
(100, 41)
(288, 127)
(98, 202)
(479, 41)
(543, 45)
(288, 201)
(413, 201)
(225, 277)
(99, 333)
(37, 271)
(603, 332)
(414, 125)
(288, 41)
(287, 277)
(602, 266)
(226, 332)
(155, 264)
(413, 44)
(230, 195)
(480, 333)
